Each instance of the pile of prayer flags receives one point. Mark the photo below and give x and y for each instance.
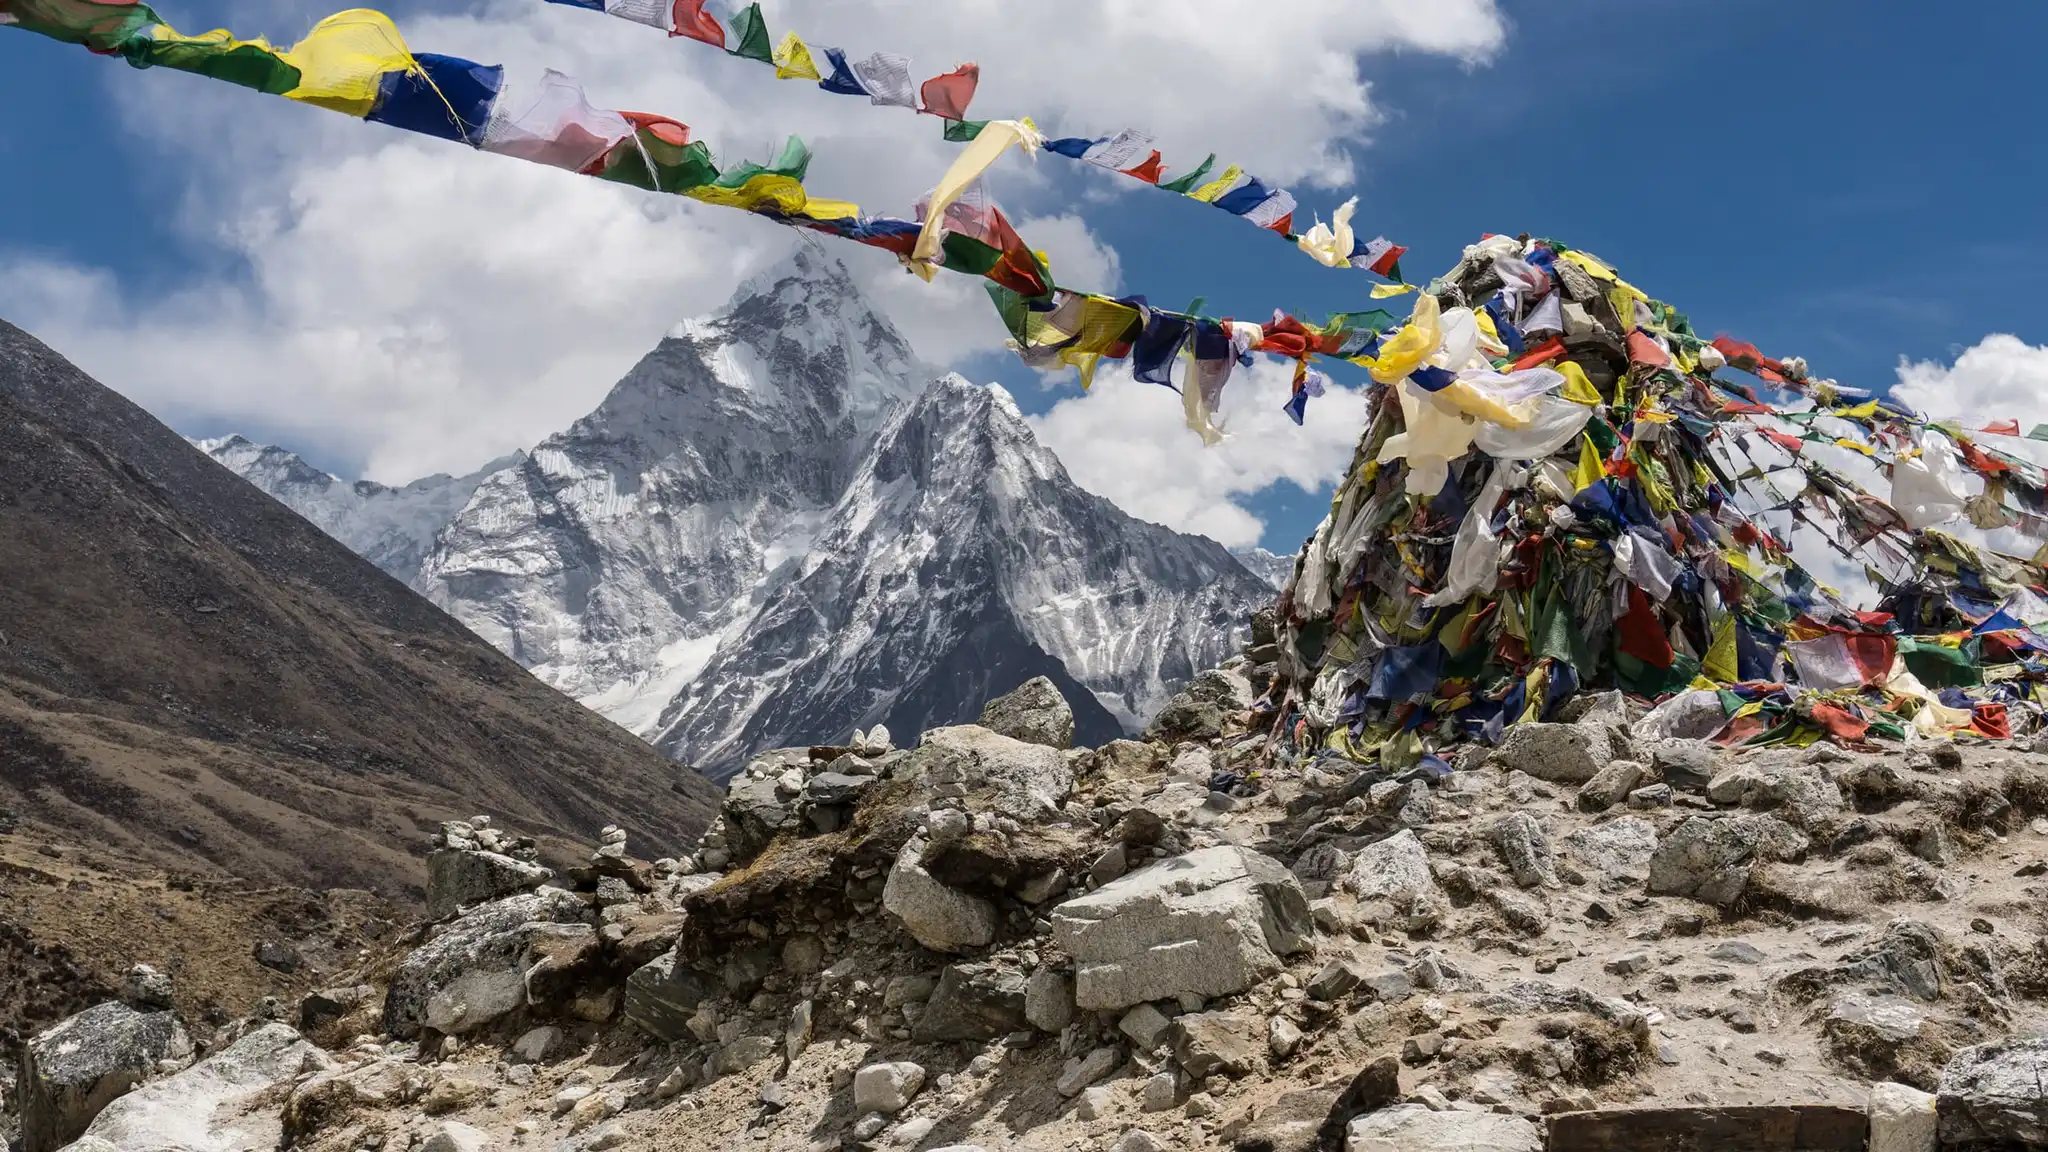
(1562, 488)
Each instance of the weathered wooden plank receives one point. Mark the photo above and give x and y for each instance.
(1758, 1128)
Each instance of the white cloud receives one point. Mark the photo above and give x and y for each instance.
(1125, 441)
(366, 295)
(2002, 376)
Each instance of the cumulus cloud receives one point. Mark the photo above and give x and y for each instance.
(2001, 376)
(413, 306)
(1125, 441)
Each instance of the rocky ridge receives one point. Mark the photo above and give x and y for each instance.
(1595, 936)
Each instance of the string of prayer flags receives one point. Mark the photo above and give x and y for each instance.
(887, 79)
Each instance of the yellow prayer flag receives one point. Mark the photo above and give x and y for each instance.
(1738, 560)
(343, 60)
(1577, 388)
(793, 60)
(1591, 469)
(1720, 663)
(995, 139)
(767, 190)
(1384, 291)
(1856, 446)
(1212, 191)
(1593, 267)
(1859, 412)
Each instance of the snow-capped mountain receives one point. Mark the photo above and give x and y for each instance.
(772, 530)
(1274, 569)
(393, 528)
(961, 561)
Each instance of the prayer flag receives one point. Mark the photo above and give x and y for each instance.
(750, 35)
(1379, 255)
(950, 94)
(688, 19)
(793, 60)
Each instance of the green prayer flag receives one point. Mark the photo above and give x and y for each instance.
(750, 35)
(1188, 183)
(1937, 666)
(2040, 432)
(247, 65)
(100, 26)
(963, 131)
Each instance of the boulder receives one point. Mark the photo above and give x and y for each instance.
(1209, 923)
(742, 1054)
(1082, 1071)
(327, 1005)
(1519, 841)
(886, 1088)
(755, 812)
(1621, 848)
(536, 1045)
(147, 989)
(1991, 1095)
(1687, 765)
(1201, 710)
(1146, 1026)
(1395, 869)
(455, 1136)
(1888, 1038)
(663, 994)
(1208, 1043)
(1002, 776)
(1610, 786)
(1559, 753)
(207, 1107)
(72, 1071)
(1291, 1123)
(474, 972)
(1127, 760)
(1034, 712)
(1415, 1128)
(458, 879)
(1712, 860)
(940, 918)
(336, 1097)
(832, 788)
(974, 1001)
(1902, 1119)
(1049, 1001)
(1804, 793)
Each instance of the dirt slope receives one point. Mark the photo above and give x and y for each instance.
(196, 678)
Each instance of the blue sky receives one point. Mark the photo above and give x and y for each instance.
(1856, 183)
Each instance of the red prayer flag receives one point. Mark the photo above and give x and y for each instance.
(2002, 428)
(1840, 723)
(689, 19)
(1746, 357)
(1150, 171)
(1284, 225)
(664, 129)
(1640, 635)
(1785, 440)
(1982, 464)
(1543, 353)
(949, 95)
(1286, 336)
(1644, 350)
(1990, 720)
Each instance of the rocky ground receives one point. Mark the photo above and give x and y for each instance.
(994, 941)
